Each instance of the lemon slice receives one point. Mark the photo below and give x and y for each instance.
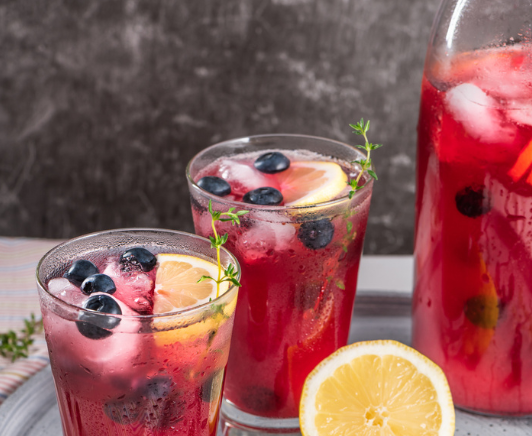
(176, 282)
(376, 388)
(311, 182)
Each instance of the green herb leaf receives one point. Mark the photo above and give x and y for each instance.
(203, 278)
(340, 285)
(218, 308)
(349, 226)
(16, 346)
(372, 174)
(217, 241)
(362, 128)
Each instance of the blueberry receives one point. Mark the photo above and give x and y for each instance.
(137, 258)
(96, 325)
(79, 271)
(156, 388)
(482, 311)
(212, 387)
(171, 411)
(264, 196)
(472, 201)
(215, 185)
(316, 234)
(98, 283)
(125, 412)
(152, 401)
(272, 162)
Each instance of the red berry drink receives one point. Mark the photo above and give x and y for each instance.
(473, 294)
(299, 248)
(137, 346)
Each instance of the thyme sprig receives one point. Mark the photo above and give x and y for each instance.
(361, 129)
(229, 273)
(15, 345)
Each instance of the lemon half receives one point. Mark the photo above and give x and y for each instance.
(377, 388)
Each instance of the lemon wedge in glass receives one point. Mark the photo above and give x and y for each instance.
(311, 182)
(177, 288)
(176, 282)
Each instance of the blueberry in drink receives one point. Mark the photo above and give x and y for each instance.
(80, 270)
(215, 185)
(98, 283)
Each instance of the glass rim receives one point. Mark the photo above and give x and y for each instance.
(178, 313)
(257, 207)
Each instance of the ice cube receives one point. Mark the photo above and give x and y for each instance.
(282, 228)
(109, 356)
(134, 288)
(66, 291)
(520, 112)
(478, 113)
(265, 238)
(284, 235)
(506, 84)
(244, 177)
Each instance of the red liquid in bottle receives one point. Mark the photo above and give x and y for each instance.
(473, 293)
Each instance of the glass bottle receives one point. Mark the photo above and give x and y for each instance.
(472, 308)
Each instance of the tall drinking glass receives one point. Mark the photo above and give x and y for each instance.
(117, 374)
(299, 271)
(473, 248)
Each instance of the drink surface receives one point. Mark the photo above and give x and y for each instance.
(126, 374)
(299, 273)
(239, 171)
(473, 295)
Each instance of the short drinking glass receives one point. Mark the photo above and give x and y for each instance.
(119, 366)
(299, 263)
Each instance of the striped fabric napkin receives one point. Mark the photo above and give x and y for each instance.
(19, 299)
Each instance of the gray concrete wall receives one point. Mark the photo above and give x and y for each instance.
(102, 103)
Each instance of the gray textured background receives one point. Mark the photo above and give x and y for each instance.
(102, 103)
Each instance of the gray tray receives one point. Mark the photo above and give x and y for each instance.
(32, 409)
